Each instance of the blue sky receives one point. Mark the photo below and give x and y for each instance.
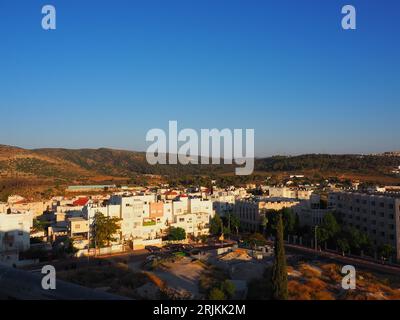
(112, 70)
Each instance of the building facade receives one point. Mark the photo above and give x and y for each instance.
(250, 211)
(377, 215)
(15, 231)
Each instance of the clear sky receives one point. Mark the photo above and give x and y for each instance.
(112, 70)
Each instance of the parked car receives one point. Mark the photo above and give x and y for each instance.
(150, 258)
(195, 251)
(187, 247)
(174, 247)
(152, 248)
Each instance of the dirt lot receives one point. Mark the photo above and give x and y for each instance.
(182, 275)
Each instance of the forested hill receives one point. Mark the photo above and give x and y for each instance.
(83, 163)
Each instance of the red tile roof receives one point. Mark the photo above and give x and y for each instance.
(81, 201)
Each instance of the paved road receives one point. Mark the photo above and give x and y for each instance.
(129, 256)
(24, 285)
(348, 260)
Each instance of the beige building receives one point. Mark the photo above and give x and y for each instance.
(78, 229)
(377, 215)
(251, 210)
(285, 192)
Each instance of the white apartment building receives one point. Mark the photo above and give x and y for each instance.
(198, 205)
(223, 202)
(15, 231)
(378, 215)
(144, 218)
(250, 210)
(285, 192)
(195, 224)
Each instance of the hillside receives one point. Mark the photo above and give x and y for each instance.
(18, 162)
(68, 166)
(123, 163)
(367, 164)
(81, 163)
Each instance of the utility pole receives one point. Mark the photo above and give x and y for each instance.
(229, 225)
(315, 237)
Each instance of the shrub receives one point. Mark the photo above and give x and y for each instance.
(228, 288)
(216, 294)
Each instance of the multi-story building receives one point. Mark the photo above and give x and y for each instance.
(377, 215)
(310, 212)
(143, 218)
(251, 210)
(285, 192)
(78, 229)
(223, 202)
(15, 231)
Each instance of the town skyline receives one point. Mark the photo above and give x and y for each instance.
(109, 74)
(394, 151)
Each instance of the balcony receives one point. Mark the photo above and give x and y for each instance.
(149, 223)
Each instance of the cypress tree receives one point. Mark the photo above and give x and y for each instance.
(279, 272)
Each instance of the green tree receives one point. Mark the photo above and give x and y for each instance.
(328, 229)
(40, 225)
(176, 234)
(256, 239)
(216, 225)
(203, 238)
(386, 251)
(343, 245)
(234, 222)
(279, 272)
(264, 223)
(105, 229)
(228, 288)
(216, 294)
(289, 221)
(357, 240)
